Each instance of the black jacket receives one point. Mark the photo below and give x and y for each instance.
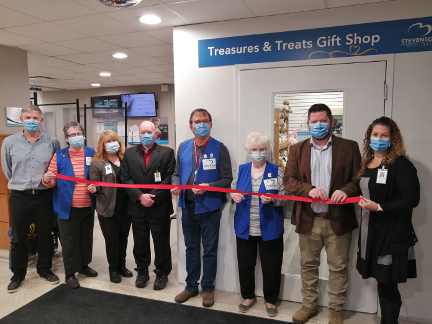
(134, 171)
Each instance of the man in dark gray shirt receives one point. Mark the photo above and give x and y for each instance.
(204, 161)
(25, 157)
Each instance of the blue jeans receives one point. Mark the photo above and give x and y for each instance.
(196, 228)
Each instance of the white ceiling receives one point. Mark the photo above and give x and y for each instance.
(72, 41)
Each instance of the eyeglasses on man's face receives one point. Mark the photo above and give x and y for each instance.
(75, 134)
(197, 122)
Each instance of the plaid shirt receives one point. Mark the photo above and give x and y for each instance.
(321, 166)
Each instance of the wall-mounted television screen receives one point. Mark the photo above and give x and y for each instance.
(105, 102)
(140, 104)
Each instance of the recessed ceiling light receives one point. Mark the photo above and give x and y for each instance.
(150, 19)
(95, 84)
(120, 55)
(105, 74)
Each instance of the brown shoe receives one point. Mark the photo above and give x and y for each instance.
(335, 317)
(185, 295)
(304, 314)
(208, 299)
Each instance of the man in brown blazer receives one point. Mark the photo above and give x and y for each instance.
(323, 167)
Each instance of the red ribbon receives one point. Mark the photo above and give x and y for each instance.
(207, 188)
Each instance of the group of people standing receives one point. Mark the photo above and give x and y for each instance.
(323, 167)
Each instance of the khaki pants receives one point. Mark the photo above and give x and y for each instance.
(337, 248)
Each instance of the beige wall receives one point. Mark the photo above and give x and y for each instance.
(165, 101)
(14, 84)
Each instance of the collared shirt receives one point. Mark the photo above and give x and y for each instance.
(24, 163)
(321, 166)
(147, 154)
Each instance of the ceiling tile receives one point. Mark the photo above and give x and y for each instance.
(107, 66)
(88, 45)
(135, 70)
(165, 34)
(46, 31)
(343, 3)
(152, 75)
(211, 10)
(156, 50)
(48, 71)
(49, 62)
(11, 18)
(145, 61)
(95, 5)
(169, 74)
(48, 9)
(166, 58)
(162, 68)
(130, 17)
(136, 39)
(275, 7)
(11, 39)
(49, 49)
(165, 80)
(95, 25)
(79, 68)
(108, 54)
(123, 78)
(84, 58)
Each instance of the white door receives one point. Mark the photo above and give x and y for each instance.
(362, 88)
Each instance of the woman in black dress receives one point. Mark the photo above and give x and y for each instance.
(390, 190)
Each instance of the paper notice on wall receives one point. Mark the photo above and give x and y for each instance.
(121, 128)
(133, 137)
(111, 125)
(100, 127)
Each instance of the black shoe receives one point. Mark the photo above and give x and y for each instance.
(89, 272)
(124, 272)
(15, 283)
(72, 282)
(49, 276)
(142, 278)
(161, 280)
(114, 277)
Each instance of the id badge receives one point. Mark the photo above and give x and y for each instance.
(382, 176)
(271, 184)
(158, 177)
(108, 169)
(88, 160)
(209, 164)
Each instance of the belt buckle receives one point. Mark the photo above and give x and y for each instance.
(33, 191)
(322, 216)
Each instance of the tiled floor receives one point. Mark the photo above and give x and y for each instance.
(33, 287)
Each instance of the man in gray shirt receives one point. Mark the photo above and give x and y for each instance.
(25, 157)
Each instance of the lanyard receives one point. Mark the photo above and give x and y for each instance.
(196, 155)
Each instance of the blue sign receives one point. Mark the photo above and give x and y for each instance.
(388, 37)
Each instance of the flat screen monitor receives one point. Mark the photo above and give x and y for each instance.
(140, 104)
(105, 102)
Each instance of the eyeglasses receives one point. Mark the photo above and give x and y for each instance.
(197, 122)
(75, 134)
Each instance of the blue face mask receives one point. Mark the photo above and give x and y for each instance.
(31, 125)
(379, 144)
(112, 147)
(76, 141)
(202, 130)
(319, 130)
(146, 139)
(258, 156)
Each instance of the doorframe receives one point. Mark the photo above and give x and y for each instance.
(388, 87)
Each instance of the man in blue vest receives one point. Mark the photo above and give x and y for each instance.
(204, 161)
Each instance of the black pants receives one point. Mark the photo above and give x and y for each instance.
(160, 231)
(115, 230)
(390, 292)
(26, 209)
(271, 254)
(76, 238)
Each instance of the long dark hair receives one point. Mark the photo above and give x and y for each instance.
(396, 149)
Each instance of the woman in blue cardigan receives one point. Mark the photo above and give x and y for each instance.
(259, 221)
